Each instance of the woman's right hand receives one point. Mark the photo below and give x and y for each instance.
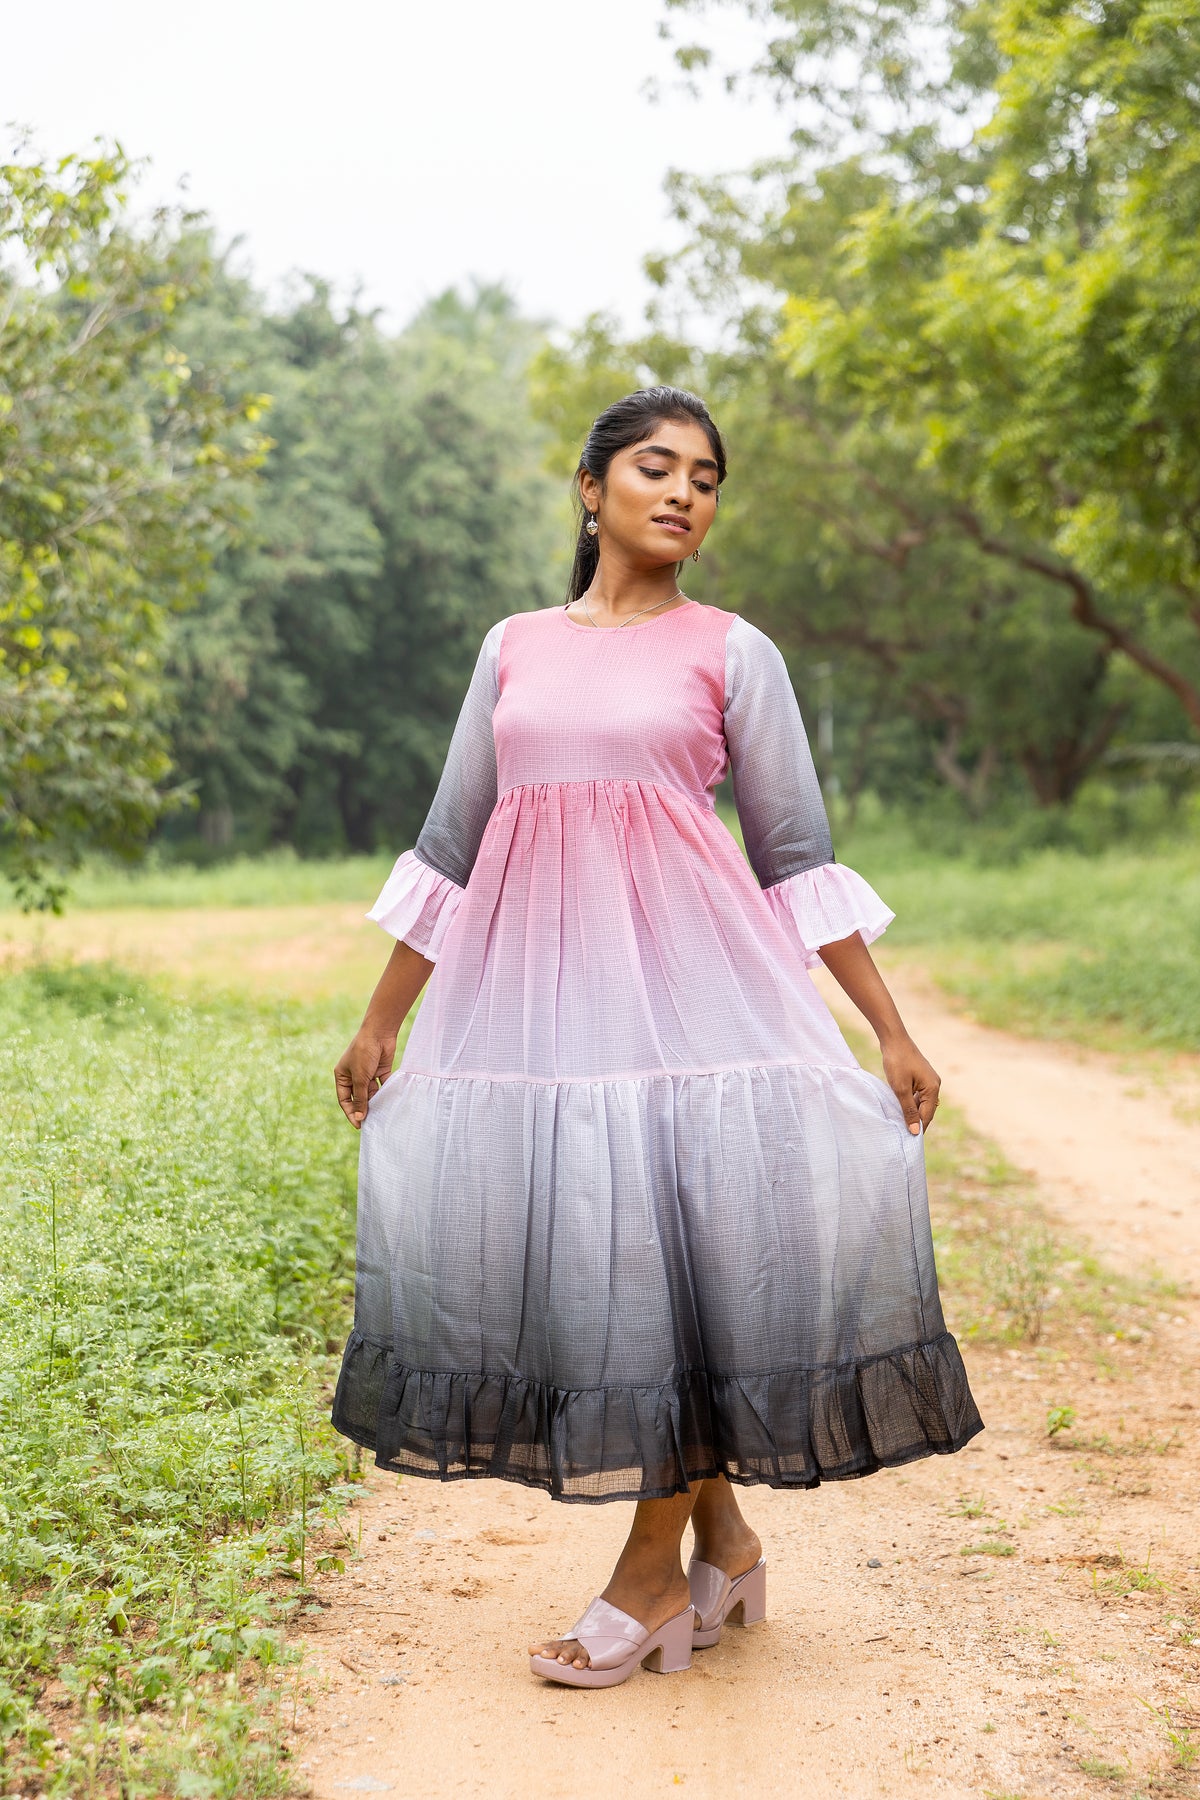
(363, 1069)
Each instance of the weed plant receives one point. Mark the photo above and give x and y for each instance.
(1005, 1275)
(176, 1252)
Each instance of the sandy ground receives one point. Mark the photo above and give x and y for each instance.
(314, 952)
(1113, 1141)
(940, 1670)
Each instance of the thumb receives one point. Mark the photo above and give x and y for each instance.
(908, 1101)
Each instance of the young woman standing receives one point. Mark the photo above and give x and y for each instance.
(633, 1222)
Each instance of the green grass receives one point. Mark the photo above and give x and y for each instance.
(176, 1249)
(1102, 947)
(278, 879)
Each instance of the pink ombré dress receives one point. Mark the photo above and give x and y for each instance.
(630, 1214)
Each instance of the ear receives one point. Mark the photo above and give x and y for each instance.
(589, 490)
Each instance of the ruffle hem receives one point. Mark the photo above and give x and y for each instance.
(792, 1428)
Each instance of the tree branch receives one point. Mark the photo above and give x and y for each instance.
(1085, 610)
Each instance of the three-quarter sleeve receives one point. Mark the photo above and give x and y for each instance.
(423, 891)
(780, 806)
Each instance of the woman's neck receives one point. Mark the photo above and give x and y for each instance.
(616, 593)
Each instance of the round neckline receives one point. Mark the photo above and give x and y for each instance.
(612, 630)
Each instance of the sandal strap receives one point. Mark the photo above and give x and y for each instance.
(607, 1634)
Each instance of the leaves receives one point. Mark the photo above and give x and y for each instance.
(114, 454)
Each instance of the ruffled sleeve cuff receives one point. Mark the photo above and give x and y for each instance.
(820, 906)
(417, 904)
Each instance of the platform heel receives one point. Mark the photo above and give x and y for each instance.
(673, 1650)
(716, 1598)
(748, 1596)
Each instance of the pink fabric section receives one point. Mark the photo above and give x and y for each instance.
(640, 703)
(821, 906)
(614, 928)
(417, 905)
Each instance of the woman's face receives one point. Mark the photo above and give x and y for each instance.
(658, 498)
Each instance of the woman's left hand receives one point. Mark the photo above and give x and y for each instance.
(913, 1079)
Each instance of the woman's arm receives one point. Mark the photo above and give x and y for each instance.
(368, 1059)
(424, 890)
(910, 1075)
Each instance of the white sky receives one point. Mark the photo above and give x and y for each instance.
(409, 143)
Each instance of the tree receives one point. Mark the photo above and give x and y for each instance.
(1017, 300)
(115, 455)
(403, 509)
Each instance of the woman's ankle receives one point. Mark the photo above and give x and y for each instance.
(727, 1540)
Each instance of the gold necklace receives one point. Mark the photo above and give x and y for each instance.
(677, 595)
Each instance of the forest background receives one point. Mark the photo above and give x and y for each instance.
(248, 553)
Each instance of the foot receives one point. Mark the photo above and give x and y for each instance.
(647, 1596)
(728, 1544)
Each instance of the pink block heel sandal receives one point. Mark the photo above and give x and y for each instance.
(716, 1599)
(616, 1644)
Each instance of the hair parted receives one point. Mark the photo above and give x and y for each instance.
(626, 422)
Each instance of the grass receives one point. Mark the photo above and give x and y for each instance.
(280, 878)
(1094, 947)
(176, 1239)
(1007, 1277)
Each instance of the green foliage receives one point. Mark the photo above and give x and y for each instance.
(115, 459)
(402, 511)
(965, 321)
(176, 1237)
(1059, 1418)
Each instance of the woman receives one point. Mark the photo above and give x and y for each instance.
(633, 1223)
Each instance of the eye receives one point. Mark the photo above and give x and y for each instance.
(706, 487)
(655, 474)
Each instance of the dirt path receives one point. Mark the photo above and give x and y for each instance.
(1016, 1676)
(1114, 1142)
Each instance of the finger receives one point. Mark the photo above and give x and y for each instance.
(928, 1105)
(345, 1091)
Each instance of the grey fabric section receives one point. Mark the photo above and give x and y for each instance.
(450, 837)
(612, 1288)
(775, 786)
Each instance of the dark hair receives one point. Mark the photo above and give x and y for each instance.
(625, 422)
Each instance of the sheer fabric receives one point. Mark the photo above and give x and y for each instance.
(630, 1212)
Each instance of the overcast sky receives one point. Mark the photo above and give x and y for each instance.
(409, 145)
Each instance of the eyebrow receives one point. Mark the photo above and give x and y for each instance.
(701, 462)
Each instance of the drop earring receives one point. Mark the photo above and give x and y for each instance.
(591, 527)
(695, 556)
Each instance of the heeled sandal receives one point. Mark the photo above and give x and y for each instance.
(616, 1644)
(716, 1599)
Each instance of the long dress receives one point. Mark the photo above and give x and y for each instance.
(630, 1214)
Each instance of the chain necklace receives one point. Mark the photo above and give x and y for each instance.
(677, 595)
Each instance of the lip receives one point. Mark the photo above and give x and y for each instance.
(670, 522)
